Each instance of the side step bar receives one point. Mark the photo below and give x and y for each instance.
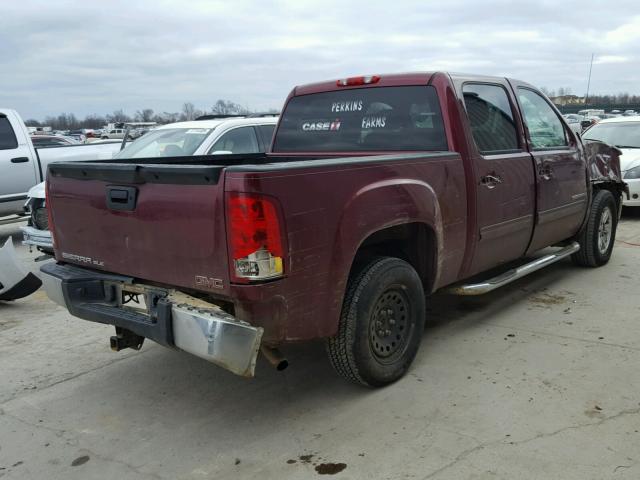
(513, 274)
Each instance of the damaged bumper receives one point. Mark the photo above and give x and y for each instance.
(37, 238)
(167, 317)
(16, 281)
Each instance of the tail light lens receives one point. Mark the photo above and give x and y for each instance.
(255, 237)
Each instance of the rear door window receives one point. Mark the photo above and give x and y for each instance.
(363, 119)
(8, 140)
(238, 140)
(491, 118)
(266, 132)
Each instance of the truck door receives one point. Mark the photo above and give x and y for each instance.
(561, 176)
(504, 175)
(17, 172)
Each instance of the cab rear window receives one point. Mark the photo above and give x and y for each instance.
(364, 119)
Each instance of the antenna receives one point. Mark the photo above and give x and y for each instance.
(586, 98)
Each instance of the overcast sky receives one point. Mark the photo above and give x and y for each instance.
(96, 57)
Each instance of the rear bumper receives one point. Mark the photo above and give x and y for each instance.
(170, 318)
(37, 238)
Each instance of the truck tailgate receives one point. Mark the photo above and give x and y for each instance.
(160, 223)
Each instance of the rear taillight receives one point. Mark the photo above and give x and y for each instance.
(255, 237)
(47, 205)
(353, 81)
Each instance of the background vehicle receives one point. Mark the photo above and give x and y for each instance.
(40, 141)
(212, 134)
(624, 133)
(574, 121)
(78, 135)
(22, 165)
(377, 191)
(114, 133)
(629, 113)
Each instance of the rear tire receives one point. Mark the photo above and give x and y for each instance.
(598, 236)
(381, 325)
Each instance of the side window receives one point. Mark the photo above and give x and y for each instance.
(266, 131)
(238, 140)
(545, 128)
(491, 118)
(8, 140)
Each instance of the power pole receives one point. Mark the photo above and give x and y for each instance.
(586, 98)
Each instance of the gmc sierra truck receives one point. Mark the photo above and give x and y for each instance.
(378, 191)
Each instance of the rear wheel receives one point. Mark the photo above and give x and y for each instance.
(599, 234)
(381, 325)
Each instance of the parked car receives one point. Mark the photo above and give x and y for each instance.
(377, 191)
(78, 135)
(40, 141)
(22, 164)
(629, 113)
(222, 134)
(115, 133)
(624, 133)
(574, 121)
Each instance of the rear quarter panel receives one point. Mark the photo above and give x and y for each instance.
(329, 209)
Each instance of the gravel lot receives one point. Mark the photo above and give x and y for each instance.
(538, 380)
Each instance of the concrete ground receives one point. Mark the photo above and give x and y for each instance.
(539, 380)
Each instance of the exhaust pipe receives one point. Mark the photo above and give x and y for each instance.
(275, 358)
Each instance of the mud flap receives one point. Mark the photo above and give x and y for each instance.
(16, 281)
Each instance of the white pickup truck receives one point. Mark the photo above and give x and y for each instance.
(23, 166)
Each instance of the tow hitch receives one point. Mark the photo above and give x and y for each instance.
(125, 339)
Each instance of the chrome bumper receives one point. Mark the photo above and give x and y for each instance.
(178, 320)
(217, 337)
(37, 238)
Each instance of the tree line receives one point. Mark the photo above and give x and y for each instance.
(622, 98)
(68, 121)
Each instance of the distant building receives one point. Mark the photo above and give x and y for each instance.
(567, 100)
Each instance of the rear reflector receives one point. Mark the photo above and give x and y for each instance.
(353, 81)
(255, 238)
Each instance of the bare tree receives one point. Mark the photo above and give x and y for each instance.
(189, 112)
(93, 121)
(118, 116)
(227, 107)
(144, 115)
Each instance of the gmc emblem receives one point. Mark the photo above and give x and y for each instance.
(207, 282)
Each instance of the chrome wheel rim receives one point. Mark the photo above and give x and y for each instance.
(605, 228)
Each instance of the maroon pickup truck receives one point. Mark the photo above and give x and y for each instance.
(378, 191)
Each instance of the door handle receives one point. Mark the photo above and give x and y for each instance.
(20, 160)
(122, 198)
(490, 181)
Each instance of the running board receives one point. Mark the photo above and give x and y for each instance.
(513, 274)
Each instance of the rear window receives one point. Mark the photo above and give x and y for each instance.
(364, 119)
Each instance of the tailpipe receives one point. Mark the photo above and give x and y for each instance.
(275, 357)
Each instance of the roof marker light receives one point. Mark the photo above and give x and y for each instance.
(362, 80)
